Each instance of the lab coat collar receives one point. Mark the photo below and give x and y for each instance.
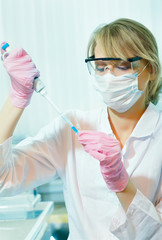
(144, 127)
(147, 123)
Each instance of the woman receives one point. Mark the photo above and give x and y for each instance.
(111, 171)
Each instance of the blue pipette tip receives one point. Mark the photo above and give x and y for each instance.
(5, 46)
(75, 130)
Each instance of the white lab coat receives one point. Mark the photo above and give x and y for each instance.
(94, 211)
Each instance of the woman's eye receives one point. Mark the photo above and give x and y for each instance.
(100, 68)
(124, 66)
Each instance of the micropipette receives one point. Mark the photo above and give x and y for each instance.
(39, 87)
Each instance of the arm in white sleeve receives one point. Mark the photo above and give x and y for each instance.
(35, 160)
(143, 219)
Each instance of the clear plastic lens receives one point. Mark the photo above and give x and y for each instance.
(116, 67)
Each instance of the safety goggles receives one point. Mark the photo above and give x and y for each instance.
(117, 66)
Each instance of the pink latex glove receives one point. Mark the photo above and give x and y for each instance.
(22, 72)
(107, 150)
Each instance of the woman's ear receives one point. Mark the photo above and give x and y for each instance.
(152, 72)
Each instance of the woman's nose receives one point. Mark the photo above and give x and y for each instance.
(109, 68)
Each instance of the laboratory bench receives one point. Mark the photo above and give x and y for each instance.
(39, 222)
(31, 228)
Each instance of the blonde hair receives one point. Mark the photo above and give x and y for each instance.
(125, 36)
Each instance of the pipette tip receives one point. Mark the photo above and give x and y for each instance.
(75, 130)
(5, 46)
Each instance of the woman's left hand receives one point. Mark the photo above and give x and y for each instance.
(107, 150)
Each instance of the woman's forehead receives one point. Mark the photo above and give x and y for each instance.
(101, 52)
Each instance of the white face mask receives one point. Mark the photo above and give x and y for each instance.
(119, 93)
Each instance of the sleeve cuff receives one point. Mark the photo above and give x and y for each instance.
(140, 208)
(144, 204)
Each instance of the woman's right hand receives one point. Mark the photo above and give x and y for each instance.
(22, 72)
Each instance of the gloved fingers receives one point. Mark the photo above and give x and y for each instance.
(26, 80)
(85, 137)
(91, 146)
(19, 88)
(12, 63)
(98, 147)
(110, 152)
(89, 136)
(16, 53)
(22, 70)
(97, 155)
